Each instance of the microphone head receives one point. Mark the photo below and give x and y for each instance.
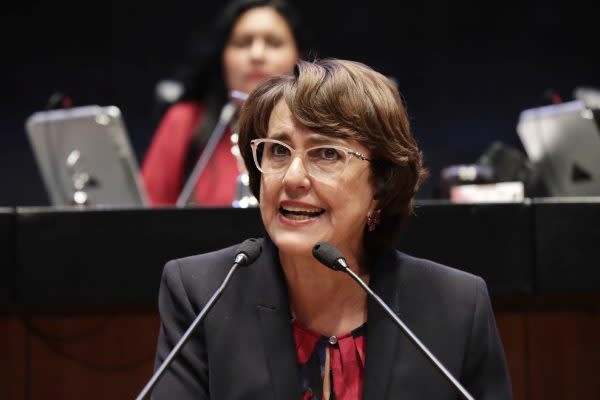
(329, 256)
(248, 252)
(238, 96)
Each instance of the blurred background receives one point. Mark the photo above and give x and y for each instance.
(466, 70)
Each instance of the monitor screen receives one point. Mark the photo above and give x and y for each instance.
(563, 143)
(85, 157)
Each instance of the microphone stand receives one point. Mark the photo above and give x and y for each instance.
(227, 113)
(186, 336)
(411, 336)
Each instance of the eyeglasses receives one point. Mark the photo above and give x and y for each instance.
(326, 162)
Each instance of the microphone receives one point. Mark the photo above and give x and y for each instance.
(238, 96)
(329, 256)
(246, 254)
(333, 258)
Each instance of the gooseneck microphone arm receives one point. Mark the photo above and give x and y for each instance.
(236, 98)
(411, 336)
(247, 253)
(227, 113)
(332, 258)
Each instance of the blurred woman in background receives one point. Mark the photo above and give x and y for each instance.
(252, 40)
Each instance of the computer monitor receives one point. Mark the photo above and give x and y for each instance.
(563, 143)
(85, 157)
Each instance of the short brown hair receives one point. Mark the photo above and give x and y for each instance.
(346, 99)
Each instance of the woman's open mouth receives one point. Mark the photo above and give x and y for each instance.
(300, 214)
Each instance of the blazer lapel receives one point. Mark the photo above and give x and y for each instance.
(275, 326)
(382, 333)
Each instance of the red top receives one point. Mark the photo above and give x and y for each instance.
(162, 170)
(341, 357)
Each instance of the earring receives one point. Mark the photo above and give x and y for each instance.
(373, 219)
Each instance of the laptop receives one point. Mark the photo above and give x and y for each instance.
(563, 143)
(85, 157)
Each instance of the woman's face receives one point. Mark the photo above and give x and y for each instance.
(299, 210)
(261, 44)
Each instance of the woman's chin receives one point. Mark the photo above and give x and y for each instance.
(293, 244)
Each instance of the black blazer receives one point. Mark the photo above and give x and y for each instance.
(244, 349)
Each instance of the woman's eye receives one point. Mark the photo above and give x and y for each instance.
(279, 150)
(330, 154)
(273, 41)
(241, 41)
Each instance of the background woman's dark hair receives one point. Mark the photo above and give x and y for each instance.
(202, 74)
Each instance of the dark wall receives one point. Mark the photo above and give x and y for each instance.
(466, 71)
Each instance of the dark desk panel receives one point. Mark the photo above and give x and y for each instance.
(7, 254)
(567, 243)
(490, 240)
(115, 256)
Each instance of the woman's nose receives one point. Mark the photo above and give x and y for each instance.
(257, 50)
(296, 175)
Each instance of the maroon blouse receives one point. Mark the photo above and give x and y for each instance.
(340, 358)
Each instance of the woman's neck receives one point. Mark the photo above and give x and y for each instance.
(325, 301)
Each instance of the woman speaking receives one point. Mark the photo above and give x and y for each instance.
(331, 159)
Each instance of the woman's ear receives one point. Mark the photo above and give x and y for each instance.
(379, 178)
(374, 203)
